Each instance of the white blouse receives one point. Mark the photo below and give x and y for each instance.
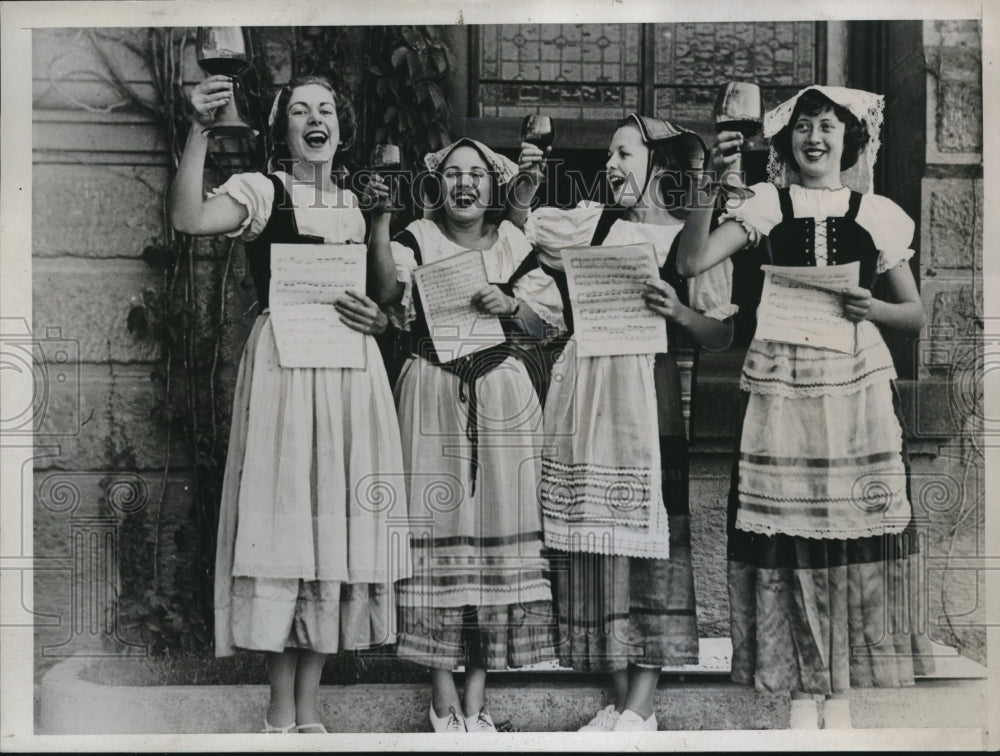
(536, 288)
(553, 229)
(890, 227)
(332, 216)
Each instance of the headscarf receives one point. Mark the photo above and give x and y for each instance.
(504, 168)
(656, 131)
(867, 107)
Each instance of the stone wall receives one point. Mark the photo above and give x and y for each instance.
(952, 190)
(100, 168)
(950, 352)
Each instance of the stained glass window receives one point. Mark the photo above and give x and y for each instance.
(562, 70)
(692, 60)
(596, 70)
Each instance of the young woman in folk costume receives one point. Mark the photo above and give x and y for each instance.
(820, 528)
(471, 430)
(615, 476)
(305, 564)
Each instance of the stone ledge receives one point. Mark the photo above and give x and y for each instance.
(71, 705)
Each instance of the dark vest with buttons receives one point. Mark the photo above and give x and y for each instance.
(793, 242)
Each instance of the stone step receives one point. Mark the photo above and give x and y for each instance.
(71, 705)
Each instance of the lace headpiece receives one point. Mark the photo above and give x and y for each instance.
(867, 107)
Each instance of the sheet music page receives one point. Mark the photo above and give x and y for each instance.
(446, 288)
(606, 287)
(306, 279)
(803, 305)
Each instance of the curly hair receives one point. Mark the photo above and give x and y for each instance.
(279, 129)
(812, 103)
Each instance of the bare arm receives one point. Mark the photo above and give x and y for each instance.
(383, 284)
(524, 185)
(905, 312)
(708, 332)
(190, 212)
(698, 250)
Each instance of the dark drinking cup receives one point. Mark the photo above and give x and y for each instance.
(538, 130)
(387, 161)
(225, 51)
(738, 107)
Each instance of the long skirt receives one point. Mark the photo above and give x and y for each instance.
(313, 527)
(480, 593)
(615, 610)
(824, 615)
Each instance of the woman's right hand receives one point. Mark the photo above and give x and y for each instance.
(376, 195)
(531, 171)
(208, 96)
(531, 161)
(725, 152)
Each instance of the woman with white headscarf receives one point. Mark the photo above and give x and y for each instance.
(471, 430)
(820, 526)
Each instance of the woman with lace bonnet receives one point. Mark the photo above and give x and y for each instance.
(820, 527)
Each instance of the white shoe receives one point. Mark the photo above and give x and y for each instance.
(450, 723)
(482, 722)
(604, 721)
(804, 715)
(837, 714)
(629, 721)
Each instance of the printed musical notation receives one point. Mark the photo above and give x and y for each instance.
(306, 279)
(804, 306)
(446, 289)
(606, 288)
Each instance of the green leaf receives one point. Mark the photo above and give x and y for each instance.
(420, 90)
(399, 55)
(136, 321)
(390, 113)
(380, 87)
(415, 65)
(440, 60)
(375, 69)
(437, 96)
(156, 256)
(413, 37)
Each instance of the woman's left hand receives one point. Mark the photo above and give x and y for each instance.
(492, 301)
(361, 313)
(857, 303)
(662, 299)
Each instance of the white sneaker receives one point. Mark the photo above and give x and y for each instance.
(629, 721)
(603, 722)
(450, 723)
(482, 722)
